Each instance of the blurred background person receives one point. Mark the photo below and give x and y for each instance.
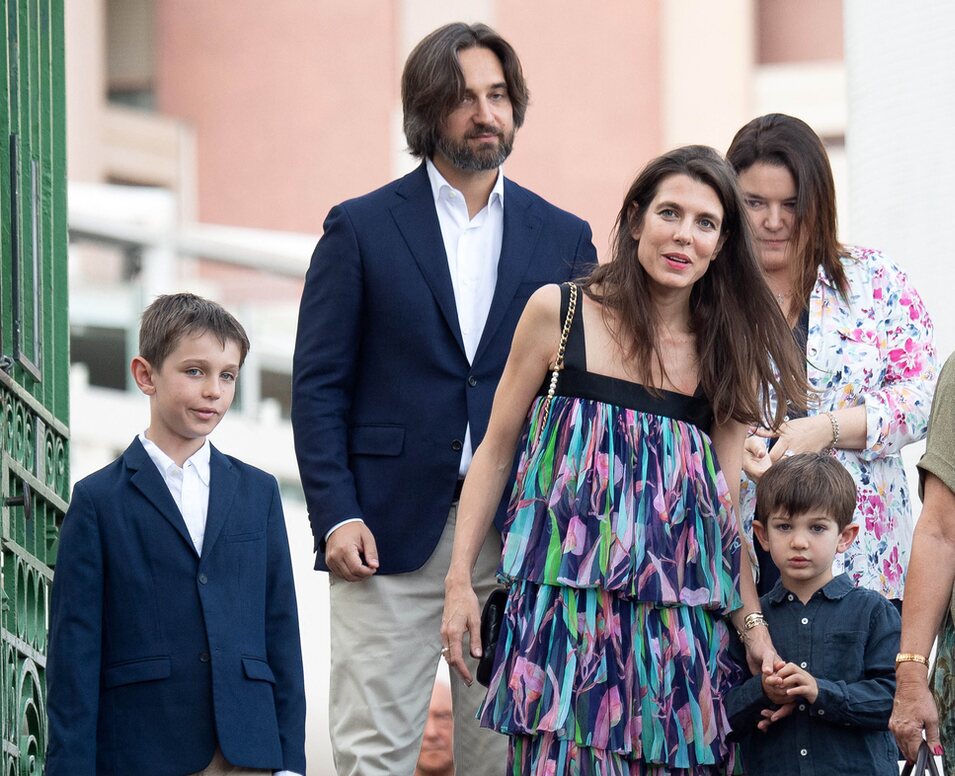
(437, 747)
(868, 339)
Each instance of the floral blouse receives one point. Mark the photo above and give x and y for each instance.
(876, 348)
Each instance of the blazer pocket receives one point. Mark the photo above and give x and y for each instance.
(244, 536)
(258, 669)
(376, 440)
(147, 670)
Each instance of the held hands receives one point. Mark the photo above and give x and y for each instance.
(761, 655)
(350, 552)
(784, 687)
(801, 435)
(461, 615)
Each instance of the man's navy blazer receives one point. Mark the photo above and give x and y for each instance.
(156, 654)
(382, 390)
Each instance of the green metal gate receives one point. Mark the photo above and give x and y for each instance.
(34, 363)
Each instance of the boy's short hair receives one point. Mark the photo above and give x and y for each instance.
(805, 482)
(173, 316)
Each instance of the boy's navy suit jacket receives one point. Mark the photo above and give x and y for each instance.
(157, 655)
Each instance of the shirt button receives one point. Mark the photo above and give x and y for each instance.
(472, 381)
(786, 418)
(803, 752)
(821, 712)
(790, 596)
(805, 620)
(203, 579)
(456, 445)
(803, 664)
(204, 657)
(802, 706)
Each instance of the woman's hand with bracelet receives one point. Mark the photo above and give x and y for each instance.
(802, 435)
(761, 655)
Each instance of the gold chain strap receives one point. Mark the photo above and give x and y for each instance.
(559, 363)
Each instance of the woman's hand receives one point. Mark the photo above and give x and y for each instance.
(761, 655)
(461, 615)
(913, 711)
(801, 435)
(756, 460)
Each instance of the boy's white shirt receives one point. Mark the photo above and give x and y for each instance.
(189, 487)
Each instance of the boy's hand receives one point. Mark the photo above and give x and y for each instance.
(351, 552)
(774, 715)
(798, 681)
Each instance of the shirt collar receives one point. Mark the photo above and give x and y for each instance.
(199, 460)
(836, 588)
(439, 183)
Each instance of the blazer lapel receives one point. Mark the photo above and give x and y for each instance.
(148, 481)
(522, 228)
(417, 221)
(223, 484)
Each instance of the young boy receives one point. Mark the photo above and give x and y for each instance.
(826, 708)
(174, 642)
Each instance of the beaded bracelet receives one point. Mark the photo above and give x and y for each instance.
(835, 431)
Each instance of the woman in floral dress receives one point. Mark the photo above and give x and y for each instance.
(622, 552)
(868, 340)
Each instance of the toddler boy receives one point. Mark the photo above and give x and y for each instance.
(826, 708)
(174, 641)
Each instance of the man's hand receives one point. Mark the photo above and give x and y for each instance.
(351, 552)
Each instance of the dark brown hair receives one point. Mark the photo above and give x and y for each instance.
(807, 482)
(173, 316)
(784, 141)
(740, 332)
(432, 82)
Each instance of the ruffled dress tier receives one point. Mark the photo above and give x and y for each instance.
(621, 557)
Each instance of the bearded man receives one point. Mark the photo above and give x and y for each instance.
(409, 307)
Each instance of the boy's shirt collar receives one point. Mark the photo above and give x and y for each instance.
(199, 460)
(837, 587)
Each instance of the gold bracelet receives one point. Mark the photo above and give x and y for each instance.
(835, 430)
(754, 619)
(911, 657)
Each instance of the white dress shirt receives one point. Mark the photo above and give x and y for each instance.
(189, 486)
(473, 247)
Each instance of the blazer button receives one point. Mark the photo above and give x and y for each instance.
(203, 579)
(456, 445)
(204, 657)
(472, 381)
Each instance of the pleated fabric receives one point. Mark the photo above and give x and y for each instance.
(621, 555)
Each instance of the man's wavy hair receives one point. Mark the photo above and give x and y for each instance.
(432, 83)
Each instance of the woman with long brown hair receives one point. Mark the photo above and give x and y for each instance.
(868, 341)
(622, 549)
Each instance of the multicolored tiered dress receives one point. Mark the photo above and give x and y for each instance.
(622, 557)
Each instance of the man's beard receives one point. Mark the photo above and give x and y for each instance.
(486, 157)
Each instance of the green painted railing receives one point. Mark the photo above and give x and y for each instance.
(34, 364)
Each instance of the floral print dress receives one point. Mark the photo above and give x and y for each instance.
(621, 555)
(876, 348)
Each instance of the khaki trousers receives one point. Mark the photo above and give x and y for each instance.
(222, 767)
(385, 648)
